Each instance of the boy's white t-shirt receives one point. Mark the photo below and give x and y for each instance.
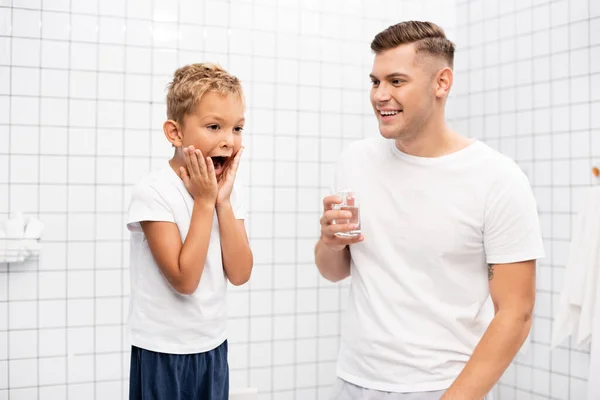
(419, 299)
(160, 318)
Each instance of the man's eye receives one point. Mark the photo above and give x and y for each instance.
(373, 82)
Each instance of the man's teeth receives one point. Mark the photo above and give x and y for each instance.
(389, 112)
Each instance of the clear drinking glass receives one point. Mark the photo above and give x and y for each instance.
(349, 203)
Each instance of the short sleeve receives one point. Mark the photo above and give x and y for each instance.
(511, 231)
(147, 205)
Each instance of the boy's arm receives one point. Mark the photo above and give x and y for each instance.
(235, 247)
(181, 263)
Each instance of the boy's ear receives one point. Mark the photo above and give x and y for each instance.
(172, 133)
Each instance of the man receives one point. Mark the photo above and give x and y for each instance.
(443, 273)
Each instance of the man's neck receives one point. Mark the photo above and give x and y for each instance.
(435, 140)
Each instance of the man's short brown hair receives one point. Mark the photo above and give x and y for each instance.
(427, 36)
(192, 81)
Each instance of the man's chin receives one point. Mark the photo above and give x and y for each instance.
(389, 132)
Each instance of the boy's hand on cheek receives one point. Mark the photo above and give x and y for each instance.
(199, 176)
(228, 178)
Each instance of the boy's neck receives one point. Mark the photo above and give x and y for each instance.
(175, 164)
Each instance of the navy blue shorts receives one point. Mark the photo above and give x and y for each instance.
(160, 376)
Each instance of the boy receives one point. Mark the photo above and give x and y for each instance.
(187, 238)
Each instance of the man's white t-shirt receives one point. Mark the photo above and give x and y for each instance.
(160, 318)
(419, 297)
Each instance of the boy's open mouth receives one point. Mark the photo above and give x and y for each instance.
(220, 162)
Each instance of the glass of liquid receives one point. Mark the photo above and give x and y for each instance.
(349, 203)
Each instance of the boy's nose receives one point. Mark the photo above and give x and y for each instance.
(227, 139)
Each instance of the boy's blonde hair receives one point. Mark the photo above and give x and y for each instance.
(192, 81)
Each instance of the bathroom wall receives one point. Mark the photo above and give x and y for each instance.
(81, 107)
(528, 73)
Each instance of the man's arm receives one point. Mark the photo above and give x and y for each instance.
(512, 289)
(332, 253)
(235, 247)
(333, 265)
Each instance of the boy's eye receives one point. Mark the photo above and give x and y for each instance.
(213, 127)
(239, 129)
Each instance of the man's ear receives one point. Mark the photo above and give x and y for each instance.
(173, 133)
(443, 82)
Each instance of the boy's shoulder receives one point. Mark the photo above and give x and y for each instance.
(160, 186)
(157, 180)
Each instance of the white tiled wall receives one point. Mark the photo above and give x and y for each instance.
(528, 73)
(81, 105)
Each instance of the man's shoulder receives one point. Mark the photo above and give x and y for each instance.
(497, 165)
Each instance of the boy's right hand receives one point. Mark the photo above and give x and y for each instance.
(199, 176)
(329, 229)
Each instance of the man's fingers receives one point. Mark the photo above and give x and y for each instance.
(330, 215)
(331, 200)
(342, 240)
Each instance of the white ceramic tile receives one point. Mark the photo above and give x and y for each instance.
(52, 342)
(89, 7)
(52, 285)
(25, 81)
(83, 84)
(580, 89)
(80, 369)
(82, 113)
(80, 284)
(111, 58)
(306, 326)
(260, 303)
(110, 85)
(139, 33)
(108, 311)
(52, 392)
(112, 7)
(105, 367)
(52, 371)
(109, 226)
(81, 169)
(53, 169)
(56, 25)
(261, 328)
(594, 40)
(23, 373)
(111, 30)
(24, 110)
(23, 344)
(52, 313)
(110, 114)
(84, 56)
(54, 112)
(54, 83)
(81, 391)
(109, 170)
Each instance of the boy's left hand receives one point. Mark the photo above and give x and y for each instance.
(228, 178)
